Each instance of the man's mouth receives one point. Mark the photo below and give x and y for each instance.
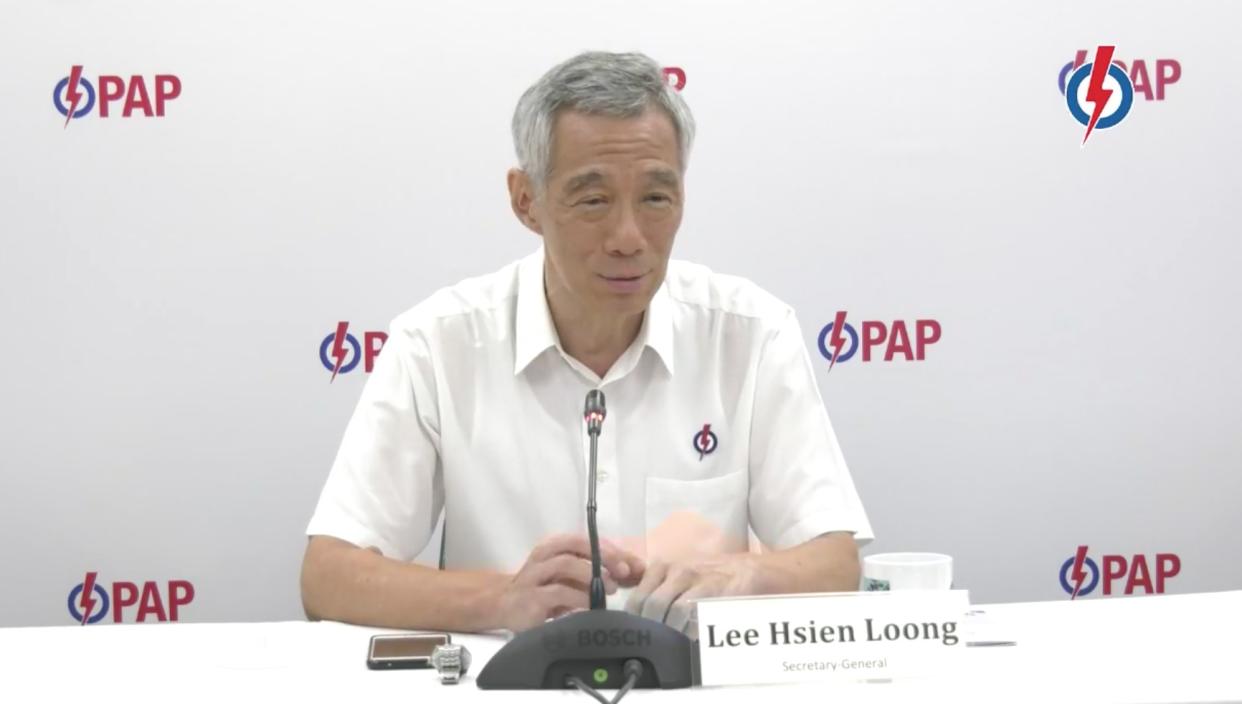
(628, 283)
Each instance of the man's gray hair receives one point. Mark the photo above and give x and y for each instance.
(595, 83)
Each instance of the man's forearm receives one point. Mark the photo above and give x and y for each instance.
(343, 582)
(828, 563)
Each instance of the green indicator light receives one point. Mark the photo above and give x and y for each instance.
(601, 675)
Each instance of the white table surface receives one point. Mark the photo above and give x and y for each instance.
(1145, 649)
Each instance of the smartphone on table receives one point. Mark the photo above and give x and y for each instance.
(403, 651)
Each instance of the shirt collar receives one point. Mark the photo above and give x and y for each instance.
(534, 332)
(657, 332)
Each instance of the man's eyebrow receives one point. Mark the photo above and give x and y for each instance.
(664, 177)
(581, 181)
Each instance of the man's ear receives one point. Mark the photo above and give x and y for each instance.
(522, 200)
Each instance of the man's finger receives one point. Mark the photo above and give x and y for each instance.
(558, 568)
(675, 583)
(554, 545)
(557, 599)
(568, 568)
(652, 578)
(624, 566)
(682, 612)
(627, 567)
(610, 586)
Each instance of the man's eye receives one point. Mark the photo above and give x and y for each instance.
(591, 201)
(658, 198)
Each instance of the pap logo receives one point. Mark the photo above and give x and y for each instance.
(1080, 574)
(89, 602)
(839, 340)
(74, 96)
(705, 441)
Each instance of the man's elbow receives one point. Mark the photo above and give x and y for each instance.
(846, 568)
(314, 578)
(851, 573)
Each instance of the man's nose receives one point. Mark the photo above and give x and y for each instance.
(626, 238)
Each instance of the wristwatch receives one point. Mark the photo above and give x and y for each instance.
(451, 662)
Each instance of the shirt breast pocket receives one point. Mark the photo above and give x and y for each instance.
(693, 518)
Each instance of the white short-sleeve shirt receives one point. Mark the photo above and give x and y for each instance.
(715, 428)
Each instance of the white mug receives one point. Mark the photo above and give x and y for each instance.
(906, 570)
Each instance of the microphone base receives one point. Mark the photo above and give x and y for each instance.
(592, 645)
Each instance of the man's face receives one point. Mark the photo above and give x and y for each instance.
(610, 209)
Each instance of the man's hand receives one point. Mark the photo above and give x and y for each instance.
(556, 580)
(668, 591)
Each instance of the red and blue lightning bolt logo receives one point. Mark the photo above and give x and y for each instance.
(705, 441)
(71, 92)
(838, 338)
(88, 602)
(338, 348)
(1096, 73)
(1078, 575)
(1096, 92)
(88, 596)
(79, 102)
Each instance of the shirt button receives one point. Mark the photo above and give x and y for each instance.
(601, 476)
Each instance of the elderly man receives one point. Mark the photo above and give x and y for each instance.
(715, 428)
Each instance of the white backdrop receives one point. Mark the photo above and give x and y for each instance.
(167, 281)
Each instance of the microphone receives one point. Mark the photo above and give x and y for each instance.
(595, 413)
(600, 646)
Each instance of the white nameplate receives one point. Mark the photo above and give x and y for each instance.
(847, 636)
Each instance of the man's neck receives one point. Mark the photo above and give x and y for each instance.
(595, 340)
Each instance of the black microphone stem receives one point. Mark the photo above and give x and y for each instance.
(598, 599)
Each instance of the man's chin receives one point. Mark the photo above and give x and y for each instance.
(624, 304)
